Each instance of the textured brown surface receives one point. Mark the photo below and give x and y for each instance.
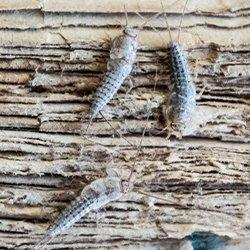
(52, 56)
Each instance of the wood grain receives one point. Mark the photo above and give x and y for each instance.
(52, 57)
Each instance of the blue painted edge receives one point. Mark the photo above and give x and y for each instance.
(207, 240)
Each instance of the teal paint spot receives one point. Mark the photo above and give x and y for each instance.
(202, 240)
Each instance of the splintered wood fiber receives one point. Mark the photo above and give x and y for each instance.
(52, 58)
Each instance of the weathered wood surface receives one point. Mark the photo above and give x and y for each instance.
(52, 57)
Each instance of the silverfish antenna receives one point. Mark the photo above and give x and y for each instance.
(183, 12)
(166, 20)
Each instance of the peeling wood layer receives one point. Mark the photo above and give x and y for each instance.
(213, 6)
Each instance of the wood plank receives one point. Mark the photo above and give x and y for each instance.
(52, 58)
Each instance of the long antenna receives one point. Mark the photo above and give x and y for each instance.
(156, 15)
(161, 198)
(138, 151)
(121, 136)
(126, 14)
(148, 20)
(142, 137)
(152, 27)
(166, 20)
(181, 21)
(116, 131)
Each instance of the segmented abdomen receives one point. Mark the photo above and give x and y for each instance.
(109, 86)
(182, 99)
(122, 57)
(94, 196)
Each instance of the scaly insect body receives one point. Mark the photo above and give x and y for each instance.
(122, 57)
(182, 100)
(93, 197)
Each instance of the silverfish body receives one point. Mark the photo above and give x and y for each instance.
(122, 57)
(94, 196)
(182, 100)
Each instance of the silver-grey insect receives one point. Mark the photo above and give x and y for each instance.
(182, 99)
(122, 57)
(94, 196)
